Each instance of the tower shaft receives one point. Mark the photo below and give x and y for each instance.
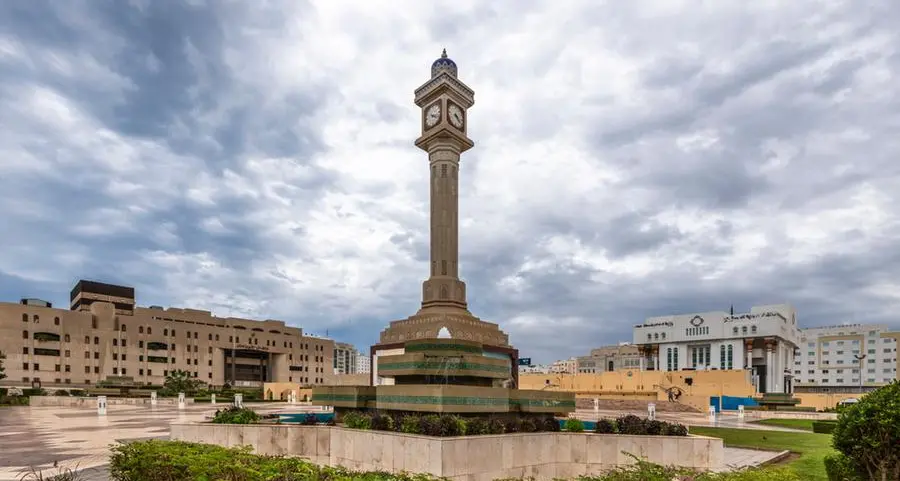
(443, 287)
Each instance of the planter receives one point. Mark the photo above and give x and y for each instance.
(539, 455)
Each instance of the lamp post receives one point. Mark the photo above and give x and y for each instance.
(860, 358)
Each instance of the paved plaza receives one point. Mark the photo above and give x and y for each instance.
(38, 437)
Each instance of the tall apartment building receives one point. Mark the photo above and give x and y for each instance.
(609, 358)
(850, 355)
(104, 335)
(363, 364)
(345, 358)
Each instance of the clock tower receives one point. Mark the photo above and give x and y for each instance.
(444, 101)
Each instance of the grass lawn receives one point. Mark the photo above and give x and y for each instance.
(804, 424)
(812, 447)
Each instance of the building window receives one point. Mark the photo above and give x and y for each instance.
(115, 342)
(217, 337)
(730, 357)
(753, 329)
(24, 334)
(55, 321)
(140, 372)
(37, 318)
(24, 317)
(744, 330)
(96, 340)
(210, 337)
(87, 369)
(94, 322)
(96, 355)
(24, 350)
(123, 327)
(149, 330)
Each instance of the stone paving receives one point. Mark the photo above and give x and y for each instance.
(77, 438)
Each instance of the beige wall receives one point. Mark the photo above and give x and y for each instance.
(823, 401)
(364, 379)
(469, 458)
(97, 342)
(635, 384)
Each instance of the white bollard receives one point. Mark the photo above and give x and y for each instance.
(212, 399)
(292, 398)
(596, 405)
(741, 411)
(181, 400)
(101, 405)
(651, 411)
(238, 400)
(712, 413)
(153, 398)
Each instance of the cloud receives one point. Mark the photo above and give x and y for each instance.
(256, 159)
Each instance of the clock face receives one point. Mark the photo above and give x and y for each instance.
(456, 116)
(433, 115)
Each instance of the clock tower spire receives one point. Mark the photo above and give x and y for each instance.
(444, 101)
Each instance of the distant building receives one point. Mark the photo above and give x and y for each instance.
(566, 366)
(609, 359)
(105, 336)
(535, 369)
(849, 355)
(345, 358)
(363, 364)
(763, 341)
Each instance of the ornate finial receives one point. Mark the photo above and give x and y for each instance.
(444, 53)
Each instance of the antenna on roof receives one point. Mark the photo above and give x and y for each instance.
(732, 309)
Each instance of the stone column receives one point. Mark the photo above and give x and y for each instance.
(770, 366)
(654, 357)
(748, 347)
(443, 287)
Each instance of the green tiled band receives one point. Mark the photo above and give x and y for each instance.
(437, 346)
(438, 365)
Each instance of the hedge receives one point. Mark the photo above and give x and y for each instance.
(823, 427)
(156, 460)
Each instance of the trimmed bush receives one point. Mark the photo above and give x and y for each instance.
(383, 422)
(631, 424)
(674, 429)
(410, 425)
(574, 425)
(236, 415)
(605, 426)
(357, 420)
(452, 425)
(868, 433)
(840, 468)
(430, 425)
(823, 427)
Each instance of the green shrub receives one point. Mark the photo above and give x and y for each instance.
(236, 415)
(430, 425)
(605, 426)
(868, 433)
(574, 425)
(823, 427)
(34, 392)
(496, 426)
(383, 422)
(631, 424)
(61, 392)
(477, 426)
(840, 468)
(452, 425)
(410, 425)
(14, 400)
(357, 420)
(674, 429)
(527, 425)
(178, 461)
(549, 424)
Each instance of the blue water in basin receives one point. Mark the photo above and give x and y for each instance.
(300, 417)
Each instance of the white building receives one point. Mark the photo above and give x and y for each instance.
(834, 356)
(363, 364)
(345, 358)
(564, 366)
(763, 340)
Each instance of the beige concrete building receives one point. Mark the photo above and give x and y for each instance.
(609, 359)
(105, 336)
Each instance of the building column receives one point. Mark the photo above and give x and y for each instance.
(654, 356)
(770, 367)
(748, 347)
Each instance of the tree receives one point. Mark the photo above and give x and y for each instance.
(2, 369)
(868, 434)
(181, 381)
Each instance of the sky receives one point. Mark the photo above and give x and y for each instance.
(632, 159)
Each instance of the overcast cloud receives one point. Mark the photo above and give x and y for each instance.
(632, 159)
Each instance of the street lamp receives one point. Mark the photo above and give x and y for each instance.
(860, 357)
